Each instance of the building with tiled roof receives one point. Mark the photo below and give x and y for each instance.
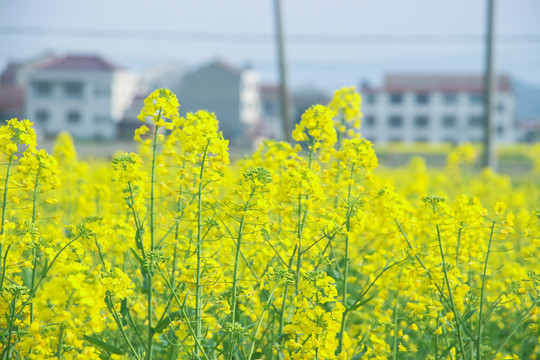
(232, 94)
(435, 108)
(12, 85)
(85, 95)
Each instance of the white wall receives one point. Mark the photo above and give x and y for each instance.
(463, 109)
(104, 98)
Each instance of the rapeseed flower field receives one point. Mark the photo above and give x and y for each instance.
(305, 251)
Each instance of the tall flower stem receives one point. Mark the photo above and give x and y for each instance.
(150, 270)
(347, 263)
(480, 311)
(236, 266)
(198, 285)
(301, 221)
(258, 326)
(35, 251)
(2, 229)
(450, 296)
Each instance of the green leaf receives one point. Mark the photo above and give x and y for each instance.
(447, 351)
(45, 267)
(102, 344)
(162, 325)
(124, 311)
(172, 352)
(138, 241)
(137, 257)
(360, 354)
(352, 308)
(469, 314)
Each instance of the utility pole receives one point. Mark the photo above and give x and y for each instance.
(284, 95)
(490, 157)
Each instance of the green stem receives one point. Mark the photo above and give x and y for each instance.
(236, 266)
(33, 281)
(480, 314)
(2, 228)
(458, 241)
(35, 251)
(11, 321)
(515, 328)
(114, 313)
(186, 317)
(45, 272)
(60, 342)
(347, 263)
(420, 260)
(394, 353)
(311, 151)
(152, 184)
(150, 270)
(437, 324)
(450, 296)
(237, 259)
(257, 328)
(299, 244)
(198, 287)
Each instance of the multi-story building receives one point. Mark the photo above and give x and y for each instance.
(85, 95)
(13, 82)
(232, 94)
(435, 108)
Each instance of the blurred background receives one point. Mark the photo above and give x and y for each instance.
(86, 66)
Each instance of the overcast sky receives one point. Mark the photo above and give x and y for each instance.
(241, 31)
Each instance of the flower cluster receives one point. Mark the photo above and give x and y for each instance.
(317, 122)
(346, 102)
(160, 105)
(172, 252)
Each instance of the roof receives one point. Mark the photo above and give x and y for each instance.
(11, 97)
(76, 62)
(439, 82)
(218, 63)
(8, 77)
(529, 124)
(270, 89)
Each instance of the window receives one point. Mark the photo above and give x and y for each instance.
(421, 121)
(102, 90)
(42, 116)
(74, 117)
(42, 88)
(449, 121)
(449, 98)
(476, 98)
(370, 98)
(475, 121)
(500, 107)
(73, 90)
(450, 140)
(421, 139)
(500, 130)
(269, 108)
(101, 119)
(370, 121)
(396, 99)
(395, 121)
(422, 99)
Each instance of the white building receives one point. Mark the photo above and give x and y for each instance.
(232, 94)
(85, 95)
(435, 108)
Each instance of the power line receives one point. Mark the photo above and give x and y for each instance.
(95, 33)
